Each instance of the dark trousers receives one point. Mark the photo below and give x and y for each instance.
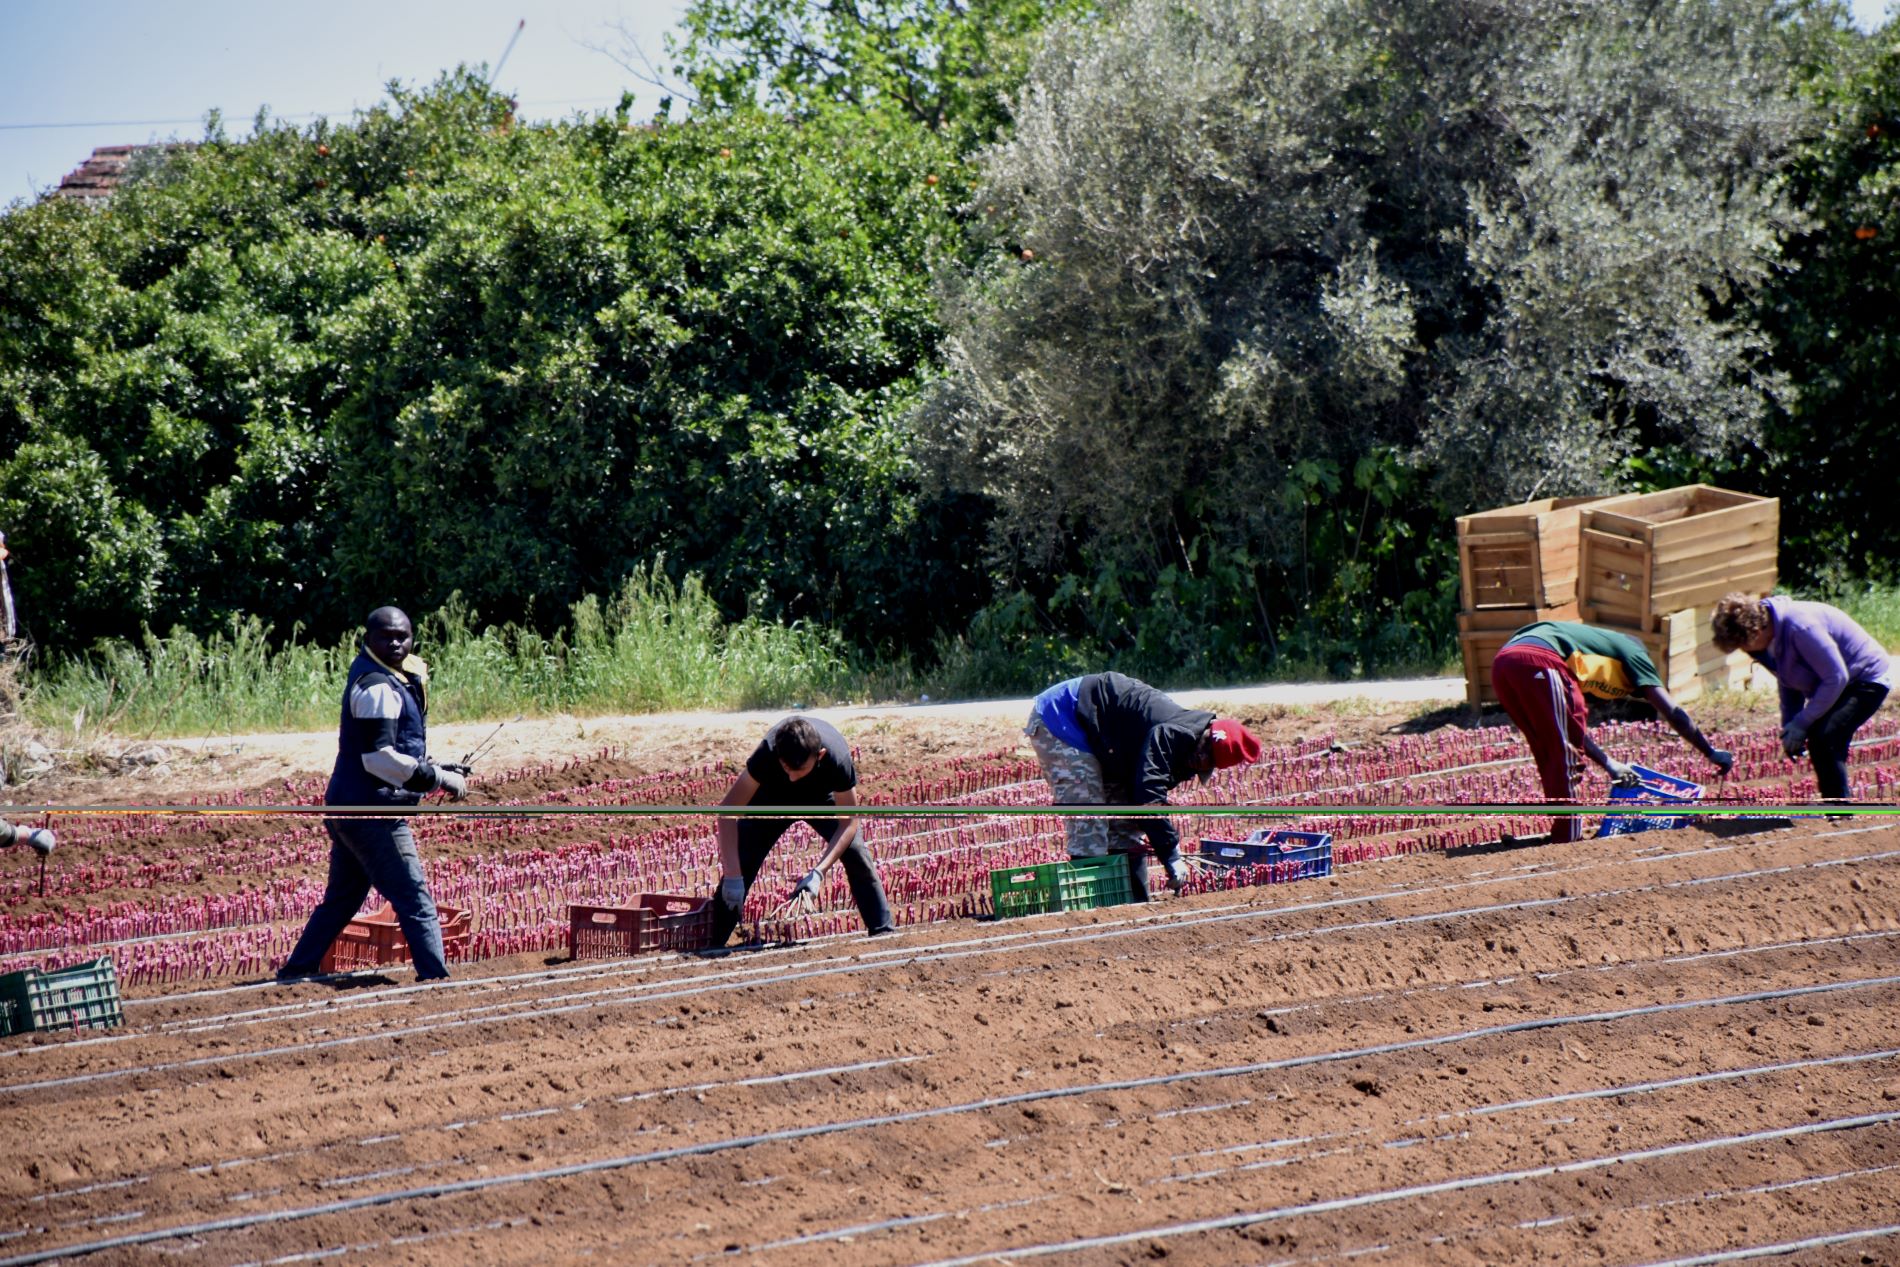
(757, 836)
(379, 852)
(1829, 739)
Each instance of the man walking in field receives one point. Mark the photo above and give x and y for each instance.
(801, 761)
(1108, 739)
(1541, 676)
(382, 759)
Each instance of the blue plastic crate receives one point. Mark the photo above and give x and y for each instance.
(1657, 788)
(1290, 855)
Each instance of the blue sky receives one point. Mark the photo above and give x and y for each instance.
(123, 66)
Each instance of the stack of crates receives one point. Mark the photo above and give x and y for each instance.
(1516, 566)
(1076, 885)
(1654, 564)
(85, 996)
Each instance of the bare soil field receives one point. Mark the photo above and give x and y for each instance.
(1666, 1047)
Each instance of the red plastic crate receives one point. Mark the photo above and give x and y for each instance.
(674, 922)
(604, 932)
(375, 940)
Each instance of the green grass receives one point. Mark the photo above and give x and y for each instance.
(653, 647)
(1875, 608)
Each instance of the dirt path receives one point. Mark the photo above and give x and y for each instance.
(181, 769)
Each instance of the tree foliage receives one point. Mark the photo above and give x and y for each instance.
(1833, 313)
(946, 65)
(1285, 282)
(433, 351)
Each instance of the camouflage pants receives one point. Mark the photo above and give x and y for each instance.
(1075, 777)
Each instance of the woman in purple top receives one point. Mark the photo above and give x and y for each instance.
(1832, 674)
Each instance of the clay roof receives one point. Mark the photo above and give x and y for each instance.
(96, 178)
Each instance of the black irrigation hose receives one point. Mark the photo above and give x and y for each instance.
(470, 1017)
(1390, 1195)
(793, 1134)
(1503, 1107)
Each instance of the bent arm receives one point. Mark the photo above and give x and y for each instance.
(743, 789)
(1591, 749)
(847, 830)
(1153, 780)
(1830, 672)
(375, 709)
(1679, 721)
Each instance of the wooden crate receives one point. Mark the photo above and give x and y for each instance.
(1682, 646)
(1480, 647)
(1512, 619)
(1521, 556)
(1648, 555)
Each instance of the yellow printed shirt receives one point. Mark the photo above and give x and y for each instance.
(1607, 664)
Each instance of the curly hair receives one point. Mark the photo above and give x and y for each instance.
(1738, 617)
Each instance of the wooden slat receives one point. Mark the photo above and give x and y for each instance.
(1512, 619)
(1758, 582)
(1715, 552)
(1621, 621)
(1688, 536)
(1707, 568)
(1605, 548)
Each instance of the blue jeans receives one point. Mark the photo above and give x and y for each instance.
(365, 852)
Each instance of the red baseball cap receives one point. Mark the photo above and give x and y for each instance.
(1232, 743)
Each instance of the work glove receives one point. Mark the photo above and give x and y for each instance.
(1794, 740)
(1622, 775)
(732, 891)
(1177, 870)
(452, 782)
(1724, 761)
(809, 886)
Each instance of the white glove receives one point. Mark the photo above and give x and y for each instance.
(41, 839)
(732, 891)
(1622, 775)
(1177, 870)
(809, 886)
(451, 782)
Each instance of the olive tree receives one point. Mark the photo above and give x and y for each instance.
(1265, 276)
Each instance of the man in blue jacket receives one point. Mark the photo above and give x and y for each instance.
(382, 759)
(1109, 739)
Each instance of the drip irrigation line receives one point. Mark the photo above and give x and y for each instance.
(1636, 1207)
(1781, 1249)
(871, 961)
(1814, 1062)
(1410, 1192)
(794, 1134)
(1474, 809)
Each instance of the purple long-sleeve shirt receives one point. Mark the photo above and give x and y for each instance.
(1815, 652)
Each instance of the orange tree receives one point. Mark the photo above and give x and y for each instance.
(433, 351)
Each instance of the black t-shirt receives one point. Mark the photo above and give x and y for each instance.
(834, 772)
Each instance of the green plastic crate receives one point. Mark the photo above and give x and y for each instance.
(1060, 886)
(84, 996)
(1112, 879)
